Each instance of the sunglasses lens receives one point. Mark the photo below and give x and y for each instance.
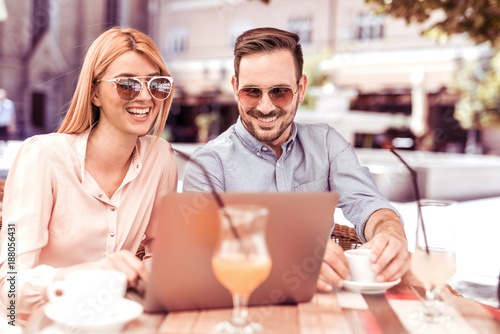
(128, 88)
(249, 96)
(160, 88)
(281, 96)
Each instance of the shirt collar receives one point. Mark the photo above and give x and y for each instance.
(81, 150)
(253, 144)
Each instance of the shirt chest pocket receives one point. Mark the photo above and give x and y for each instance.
(316, 185)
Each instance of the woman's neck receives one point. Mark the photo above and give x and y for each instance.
(108, 159)
(110, 150)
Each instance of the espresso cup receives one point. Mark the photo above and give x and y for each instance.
(360, 265)
(87, 296)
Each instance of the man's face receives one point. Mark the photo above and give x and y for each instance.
(268, 123)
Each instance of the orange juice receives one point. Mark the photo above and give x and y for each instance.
(241, 275)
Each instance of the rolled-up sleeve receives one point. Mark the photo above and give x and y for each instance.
(359, 195)
(26, 209)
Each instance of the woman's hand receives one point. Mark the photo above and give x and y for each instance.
(123, 261)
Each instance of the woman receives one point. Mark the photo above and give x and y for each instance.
(82, 198)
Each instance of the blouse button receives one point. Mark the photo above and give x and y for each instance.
(113, 209)
(258, 154)
(112, 234)
(100, 195)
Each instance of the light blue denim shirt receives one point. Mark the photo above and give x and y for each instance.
(315, 158)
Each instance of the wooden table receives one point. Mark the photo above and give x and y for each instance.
(327, 313)
(336, 312)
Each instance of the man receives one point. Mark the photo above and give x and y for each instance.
(7, 116)
(267, 151)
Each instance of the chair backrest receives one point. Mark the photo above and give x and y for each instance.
(346, 237)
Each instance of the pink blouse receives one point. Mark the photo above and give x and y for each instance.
(61, 217)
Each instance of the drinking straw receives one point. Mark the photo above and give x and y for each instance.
(216, 196)
(413, 175)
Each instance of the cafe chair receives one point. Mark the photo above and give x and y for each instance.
(346, 237)
(140, 252)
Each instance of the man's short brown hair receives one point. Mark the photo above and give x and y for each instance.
(263, 40)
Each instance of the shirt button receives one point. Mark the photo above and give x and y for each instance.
(138, 166)
(112, 234)
(258, 154)
(289, 148)
(278, 164)
(113, 209)
(99, 195)
(264, 148)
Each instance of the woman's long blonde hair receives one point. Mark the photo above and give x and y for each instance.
(82, 113)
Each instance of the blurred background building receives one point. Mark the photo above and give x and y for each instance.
(43, 43)
(375, 78)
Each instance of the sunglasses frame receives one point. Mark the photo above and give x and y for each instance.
(151, 78)
(267, 92)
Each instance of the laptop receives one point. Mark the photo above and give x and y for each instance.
(298, 228)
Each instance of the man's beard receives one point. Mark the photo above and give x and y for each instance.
(268, 136)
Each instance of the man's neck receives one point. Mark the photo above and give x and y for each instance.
(278, 150)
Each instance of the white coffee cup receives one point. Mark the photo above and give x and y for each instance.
(360, 265)
(87, 296)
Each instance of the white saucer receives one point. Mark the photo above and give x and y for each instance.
(124, 311)
(370, 288)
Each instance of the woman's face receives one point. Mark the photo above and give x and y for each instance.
(127, 117)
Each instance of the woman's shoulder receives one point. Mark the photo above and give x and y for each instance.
(154, 144)
(51, 141)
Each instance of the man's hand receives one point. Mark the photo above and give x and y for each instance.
(389, 248)
(389, 252)
(334, 268)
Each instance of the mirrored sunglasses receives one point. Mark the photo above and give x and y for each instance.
(129, 88)
(280, 96)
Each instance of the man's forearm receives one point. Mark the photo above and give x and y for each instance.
(384, 221)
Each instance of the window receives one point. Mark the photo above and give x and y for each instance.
(177, 40)
(302, 27)
(38, 102)
(370, 26)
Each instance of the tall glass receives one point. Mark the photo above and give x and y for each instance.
(241, 261)
(434, 259)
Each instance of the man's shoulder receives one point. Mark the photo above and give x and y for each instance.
(316, 130)
(224, 143)
(6, 103)
(313, 127)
